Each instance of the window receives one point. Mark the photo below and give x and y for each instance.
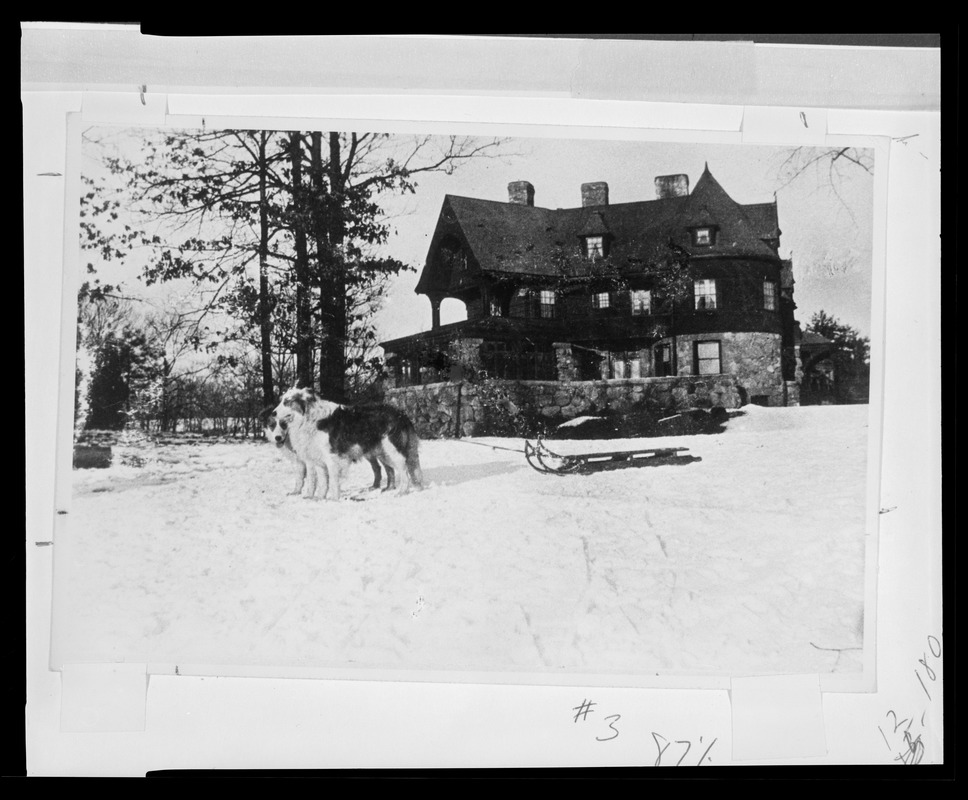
(410, 372)
(625, 365)
(641, 301)
(703, 237)
(663, 360)
(707, 357)
(600, 300)
(547, 304)
(594, 246)
(705, 291)
(495, 306)
(769, 295)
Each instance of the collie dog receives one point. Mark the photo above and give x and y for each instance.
(333, 436)
(306, 476)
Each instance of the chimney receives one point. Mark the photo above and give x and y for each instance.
(521, 193)
(594, 194)
(671, 186)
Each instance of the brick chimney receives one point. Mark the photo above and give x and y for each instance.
(594, 194)
(671, 186)
(521, 193)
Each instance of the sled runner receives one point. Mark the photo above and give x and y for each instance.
(544, 460)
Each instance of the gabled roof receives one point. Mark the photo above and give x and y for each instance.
(786, 274)
(511, 238)
(593, 225)
(763, 217)
(811, 339)
(741, 229)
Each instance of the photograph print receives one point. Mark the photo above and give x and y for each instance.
(506, 409)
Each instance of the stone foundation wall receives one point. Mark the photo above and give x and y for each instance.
(477, 409)
(433, 408)
(754, 359)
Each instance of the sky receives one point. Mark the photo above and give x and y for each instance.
(827, 231)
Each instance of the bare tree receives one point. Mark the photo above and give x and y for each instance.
(301, 210)
(830, 167)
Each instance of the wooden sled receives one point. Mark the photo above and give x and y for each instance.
(544, 460)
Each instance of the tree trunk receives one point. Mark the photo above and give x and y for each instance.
(675, 341)
(329, 233)
(304, 343)
(265, 322)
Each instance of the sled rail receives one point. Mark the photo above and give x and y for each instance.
(547, 461)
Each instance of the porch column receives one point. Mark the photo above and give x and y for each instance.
(435, 301)
(646, 367)
(466, 354)
(391, 378)
(567, 368)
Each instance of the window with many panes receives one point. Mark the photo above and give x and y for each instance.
(641, 301)
(594, 246)
(708, 358)
(600, 300)
(624, 365)
(769, 295)
(546, 303)
(705, 293)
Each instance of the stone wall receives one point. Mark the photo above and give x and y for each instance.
(755, 359)
(479, 409)
(434, 408)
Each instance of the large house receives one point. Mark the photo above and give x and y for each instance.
(687, 283)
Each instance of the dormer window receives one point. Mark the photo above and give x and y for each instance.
(594, 247)
(704, 236)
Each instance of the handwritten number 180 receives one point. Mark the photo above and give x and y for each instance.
(935, 647)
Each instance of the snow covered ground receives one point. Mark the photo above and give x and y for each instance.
(748, 561)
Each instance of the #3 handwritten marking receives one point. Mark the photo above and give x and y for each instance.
(662, 744)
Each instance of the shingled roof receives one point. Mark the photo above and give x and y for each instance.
(513, 238)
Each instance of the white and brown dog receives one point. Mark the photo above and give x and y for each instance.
(332, 436)
(306, 475)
